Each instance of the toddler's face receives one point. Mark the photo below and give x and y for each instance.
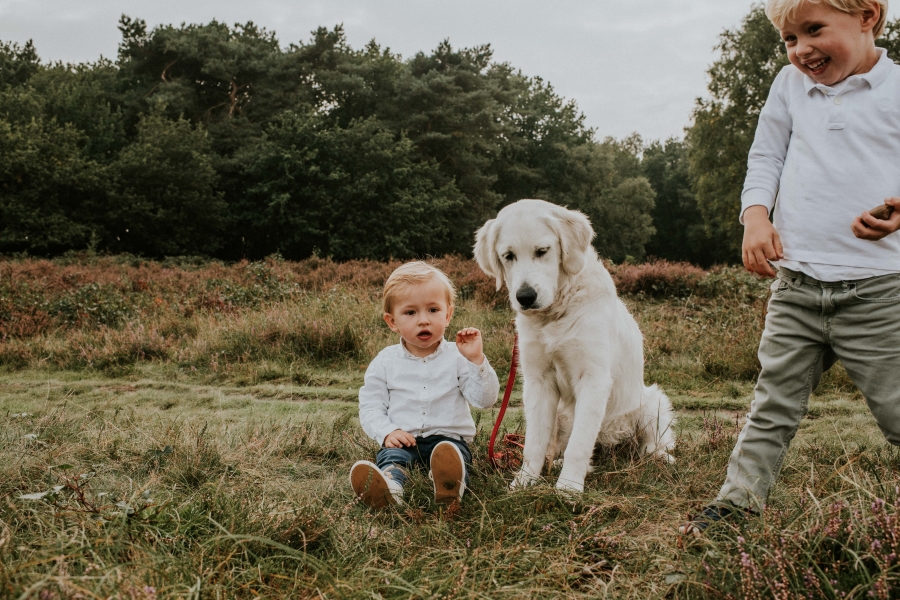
(830, 45)
(421, 315)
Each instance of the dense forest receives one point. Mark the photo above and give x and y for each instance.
(219, 141)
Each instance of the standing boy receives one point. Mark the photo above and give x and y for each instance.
(827, 148)
(415, 401)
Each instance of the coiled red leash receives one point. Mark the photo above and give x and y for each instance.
(510, 439)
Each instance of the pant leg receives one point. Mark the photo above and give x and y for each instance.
(793, 354)
(426, 446)
(397, 462)
(865, 332)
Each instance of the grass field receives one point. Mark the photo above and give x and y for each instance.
(185, 430)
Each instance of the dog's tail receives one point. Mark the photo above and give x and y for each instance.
(657, 426)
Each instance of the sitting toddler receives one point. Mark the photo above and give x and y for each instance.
(416, 394)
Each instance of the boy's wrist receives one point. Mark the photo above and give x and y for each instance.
(755, 214)
(478, 360)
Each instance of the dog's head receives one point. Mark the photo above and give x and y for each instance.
(532, 246)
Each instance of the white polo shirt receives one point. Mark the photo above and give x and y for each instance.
(425, 396)
(821, 156)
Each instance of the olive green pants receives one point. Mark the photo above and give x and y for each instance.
(811, 324)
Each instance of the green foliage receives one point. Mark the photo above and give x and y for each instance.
(352, 192)
(616, 198)
(205, 73)
(724, 125)
(90, 305)
(53, 196)
(166, 201)
(17, 64)
(84, 97)
(680, 234)
(216, 140)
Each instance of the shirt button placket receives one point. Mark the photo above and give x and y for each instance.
(424, 393)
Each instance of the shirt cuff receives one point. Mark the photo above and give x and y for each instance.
(483, 369)
(756, 197)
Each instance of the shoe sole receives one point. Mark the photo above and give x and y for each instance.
(370, 486)
(447, 472)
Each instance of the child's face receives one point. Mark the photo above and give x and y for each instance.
(830, 45)
(421, 315)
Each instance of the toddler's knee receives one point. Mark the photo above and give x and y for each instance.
(393, 456)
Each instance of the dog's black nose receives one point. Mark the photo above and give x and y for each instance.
(526, 296)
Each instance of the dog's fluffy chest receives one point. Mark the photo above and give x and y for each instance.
(550, 351)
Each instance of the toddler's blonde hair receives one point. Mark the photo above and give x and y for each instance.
(413, 273)
(782, 11)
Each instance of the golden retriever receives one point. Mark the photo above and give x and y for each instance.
(581, 350)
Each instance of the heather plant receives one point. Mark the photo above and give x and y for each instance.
(658, 279)
(269, 319)
(842, 546)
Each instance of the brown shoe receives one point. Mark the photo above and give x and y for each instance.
(373, 487)
(448, 471)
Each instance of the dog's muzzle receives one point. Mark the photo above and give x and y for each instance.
(526, 297)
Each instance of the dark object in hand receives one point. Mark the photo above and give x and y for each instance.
(882, 212)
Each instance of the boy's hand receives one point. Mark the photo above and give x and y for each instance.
(867, 227)
(399, 439)
(468, 342)
(761, 242)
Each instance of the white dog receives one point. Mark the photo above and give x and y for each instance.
(581, 352)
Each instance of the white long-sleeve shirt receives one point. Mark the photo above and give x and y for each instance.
(827, 154)
(425, 396)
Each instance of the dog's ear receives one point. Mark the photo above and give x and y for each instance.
(575, 235)
(486, 253)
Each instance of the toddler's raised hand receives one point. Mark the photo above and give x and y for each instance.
(468, 342)
(399, 439)
(761, 242)
(867, 227)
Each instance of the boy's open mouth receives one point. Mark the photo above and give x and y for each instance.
(424, 335)
(818, 66)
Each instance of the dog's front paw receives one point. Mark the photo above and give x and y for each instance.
(522, 480)
(569, 486)
(667, 457)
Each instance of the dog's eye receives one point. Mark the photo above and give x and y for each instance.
(509, 256)
(540, 252)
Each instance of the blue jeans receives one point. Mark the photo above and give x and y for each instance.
(418, 455)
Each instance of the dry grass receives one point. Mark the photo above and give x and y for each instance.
(250, 321)
(202, 443)
(241, 492)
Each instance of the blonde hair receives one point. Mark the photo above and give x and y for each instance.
(414, 273)
(782, 11)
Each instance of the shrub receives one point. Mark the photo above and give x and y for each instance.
(735, 283)
(658, 279)
(91, 305)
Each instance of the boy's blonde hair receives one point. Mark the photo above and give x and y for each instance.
(782, 11)
(413, 273)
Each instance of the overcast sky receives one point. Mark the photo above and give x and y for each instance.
(631, 65)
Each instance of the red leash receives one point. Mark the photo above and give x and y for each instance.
(510, 438)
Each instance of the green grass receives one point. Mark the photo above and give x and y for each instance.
(241, 491)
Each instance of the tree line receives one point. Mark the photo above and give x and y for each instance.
(219, 141)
